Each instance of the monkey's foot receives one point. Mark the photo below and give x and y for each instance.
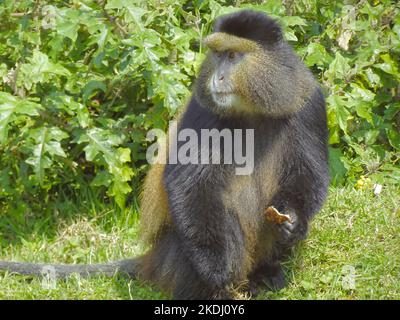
(223, 295)
(188, 292)
(267, 277)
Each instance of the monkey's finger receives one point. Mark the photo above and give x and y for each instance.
(288, 226)
(286, 231)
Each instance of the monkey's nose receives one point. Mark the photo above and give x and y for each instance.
(221, 77)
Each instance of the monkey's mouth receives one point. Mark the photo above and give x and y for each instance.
(223, 98)
(222, 93)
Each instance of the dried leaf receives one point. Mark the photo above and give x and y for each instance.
(275, 216)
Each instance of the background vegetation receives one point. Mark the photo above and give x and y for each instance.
(82, 81)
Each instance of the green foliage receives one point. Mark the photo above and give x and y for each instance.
(81, 82)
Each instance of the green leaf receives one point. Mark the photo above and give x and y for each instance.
(83, 116)
(336, 166)
(103, 178)
(316, 54)
(394, 138)
(337, 104)
(93, 86)
(39, 69)
(290, 35)
(134, 14)
(68, 30)
(293, 21)
(5, 186)
(392, 110)
(119, 189)
(102, 143)
(99, 141)
(10, 108)
(338, 68)
(371, 136)
(388, 66)
(272, 7)
(116, 4)
(361, 94)
(45, 144)
(3, 71)
(7, 109)
(124, 154)
(364, 110)
(372, 77)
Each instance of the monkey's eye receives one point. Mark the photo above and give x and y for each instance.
(231, 55)
(218, 53)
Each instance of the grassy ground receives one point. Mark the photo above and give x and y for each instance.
(353, 251)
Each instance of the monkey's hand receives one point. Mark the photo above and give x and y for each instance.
(290, 231)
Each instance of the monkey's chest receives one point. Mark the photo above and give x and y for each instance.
(247, 197)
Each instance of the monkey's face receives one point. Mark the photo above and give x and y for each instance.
(218, 87)
(221, 86)
(240, 75)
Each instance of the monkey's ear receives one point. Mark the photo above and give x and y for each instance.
(250, 24)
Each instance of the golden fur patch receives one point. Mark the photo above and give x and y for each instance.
(221, 41)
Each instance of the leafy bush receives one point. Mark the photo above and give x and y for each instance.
(81, 82)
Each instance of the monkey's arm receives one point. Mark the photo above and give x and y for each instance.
(62, 271)
(305, 177)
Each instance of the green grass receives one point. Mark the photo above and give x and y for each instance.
(355, 231)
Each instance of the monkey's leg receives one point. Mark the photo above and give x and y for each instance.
(189, 286)
(168, 266)
(211, 237)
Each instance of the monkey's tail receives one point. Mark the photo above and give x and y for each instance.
(62, 271)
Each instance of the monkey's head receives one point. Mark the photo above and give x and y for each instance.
(251, 69)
